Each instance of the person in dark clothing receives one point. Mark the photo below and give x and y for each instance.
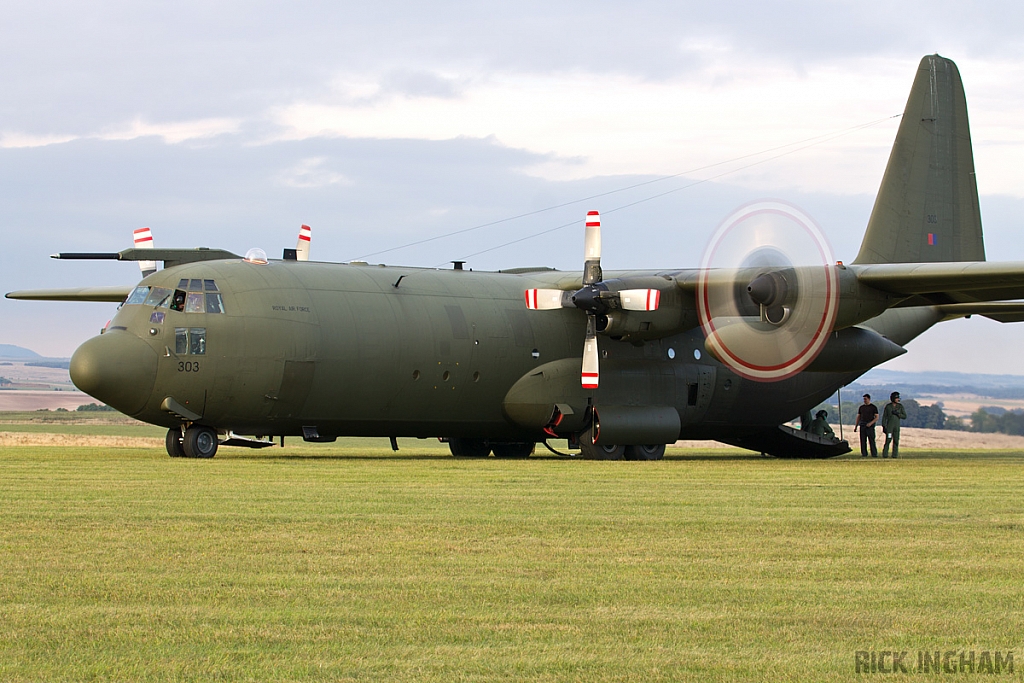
(867, 416)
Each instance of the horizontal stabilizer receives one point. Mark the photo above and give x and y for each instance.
(105, 294)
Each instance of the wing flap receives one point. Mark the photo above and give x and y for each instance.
(1000, 311)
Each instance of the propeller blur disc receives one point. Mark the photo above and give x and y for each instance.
(767, 291)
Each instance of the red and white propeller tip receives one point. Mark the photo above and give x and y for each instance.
(640, 299)
(143, 238)
(590, 374)
(302, 248)
(543, 299)
(592, 237)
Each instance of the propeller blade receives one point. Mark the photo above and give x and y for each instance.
(143, 238)
(302, 248)
(589, 376)
(640, 299)
(545, 299)
(592, 249)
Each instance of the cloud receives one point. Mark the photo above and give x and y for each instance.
(173, 132)
(13, 140)
(312, 173)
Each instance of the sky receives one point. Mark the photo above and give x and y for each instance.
(385, 124)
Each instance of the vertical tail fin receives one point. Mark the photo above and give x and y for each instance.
(927, 208)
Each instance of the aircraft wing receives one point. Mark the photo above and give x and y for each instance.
(170, 257)
(107, 294)
(942, 283)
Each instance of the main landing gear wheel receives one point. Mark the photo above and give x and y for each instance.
(173, 443)
(199, 442)
(469, 448)
(513, 450)
(591, 451)
(645, 452)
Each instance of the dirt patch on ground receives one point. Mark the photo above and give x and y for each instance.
(38, 400)
(36, 439)
(939, 439)
(910, 437)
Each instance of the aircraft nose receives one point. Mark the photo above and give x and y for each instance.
(117, 368)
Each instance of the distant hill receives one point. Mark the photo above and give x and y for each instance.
(12, 352)
(880, 382)
(939, 378)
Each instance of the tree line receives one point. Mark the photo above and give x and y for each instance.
(934, 417)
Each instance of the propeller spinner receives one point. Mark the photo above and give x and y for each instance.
(594, 298)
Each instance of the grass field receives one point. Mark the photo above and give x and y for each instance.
(347, 562)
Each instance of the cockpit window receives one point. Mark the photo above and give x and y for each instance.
(178, 300)
(214, 302)
(194, 302)
(202, 297)
(158, 296)
(137, 296)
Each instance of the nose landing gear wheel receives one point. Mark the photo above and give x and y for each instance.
(200, 442)
(173, 443)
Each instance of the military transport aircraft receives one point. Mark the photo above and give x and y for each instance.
(225, 350)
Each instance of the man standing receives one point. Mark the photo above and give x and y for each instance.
(867, 416)
(892, 416)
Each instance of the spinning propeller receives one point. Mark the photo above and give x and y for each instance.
(594, 298)
(767, 292)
